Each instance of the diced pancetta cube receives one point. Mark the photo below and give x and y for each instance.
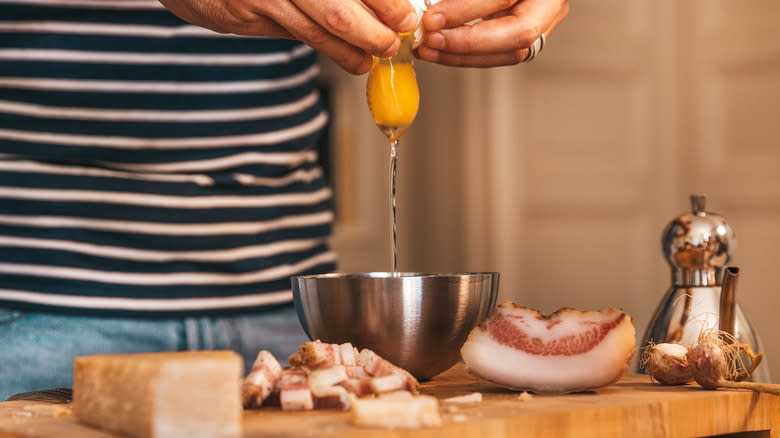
(336, 398)
(261, 380)
(356, 372)
(295, 394)
(359, 387)
(322, 380)
(348, 354)
(396, 411)
(393, 382)
(374, 363)
(316, 354)
(380, 367)
(273, 399)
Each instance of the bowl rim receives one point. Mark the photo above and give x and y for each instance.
(393, 275)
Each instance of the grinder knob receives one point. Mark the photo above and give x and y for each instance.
(698, 245)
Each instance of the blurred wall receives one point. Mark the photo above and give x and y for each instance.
(561, 174)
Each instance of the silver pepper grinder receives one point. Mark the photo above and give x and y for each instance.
(698, 246)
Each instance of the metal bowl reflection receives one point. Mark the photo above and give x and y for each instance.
(418, 321)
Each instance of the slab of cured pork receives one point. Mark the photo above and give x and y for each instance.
(567, 351)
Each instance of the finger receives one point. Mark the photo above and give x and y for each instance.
(453, 13)
(511, 57)
(517, 30)
(497, 35)
(350, 58)
(348, 20)
(482, 60)
(231, 19)
(399, 15)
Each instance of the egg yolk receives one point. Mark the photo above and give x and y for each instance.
(392, 92)
(393, 96)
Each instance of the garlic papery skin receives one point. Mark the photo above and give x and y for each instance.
(667, 363)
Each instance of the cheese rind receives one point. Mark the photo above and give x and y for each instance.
(155, 395)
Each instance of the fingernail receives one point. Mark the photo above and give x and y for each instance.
(434, 22)
(434, 40)
(409, 23)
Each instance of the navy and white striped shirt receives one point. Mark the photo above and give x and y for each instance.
(149, 166)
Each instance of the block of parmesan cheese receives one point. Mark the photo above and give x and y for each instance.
(189, 394)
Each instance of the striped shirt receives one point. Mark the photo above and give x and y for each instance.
(152, 167)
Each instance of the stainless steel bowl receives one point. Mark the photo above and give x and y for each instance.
(417, 321)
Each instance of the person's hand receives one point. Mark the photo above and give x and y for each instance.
(508, 29)
(341, 29)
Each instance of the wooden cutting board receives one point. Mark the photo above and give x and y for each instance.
(632, 407)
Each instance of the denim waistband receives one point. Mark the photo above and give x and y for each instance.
(37, 349)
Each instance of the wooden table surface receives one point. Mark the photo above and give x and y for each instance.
(632, 407)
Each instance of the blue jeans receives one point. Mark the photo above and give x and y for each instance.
(37, 349)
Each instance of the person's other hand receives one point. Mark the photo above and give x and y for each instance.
(341, 29)
(508, 29)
